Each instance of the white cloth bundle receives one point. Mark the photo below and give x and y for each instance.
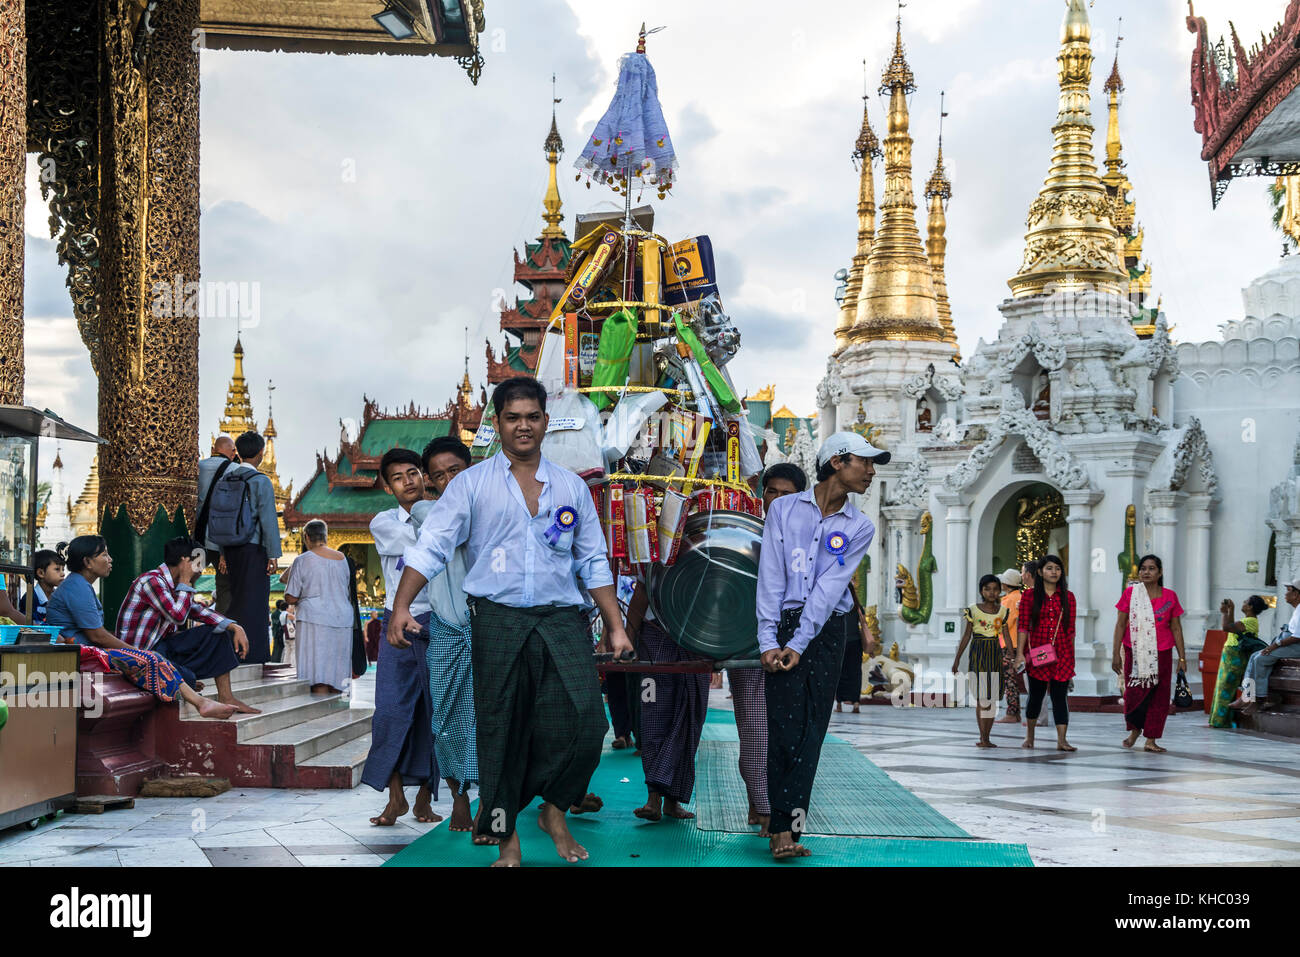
(1142, 636)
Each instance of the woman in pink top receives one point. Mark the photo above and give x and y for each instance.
(1149, 627)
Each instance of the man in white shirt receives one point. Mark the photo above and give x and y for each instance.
(531, 534)
(1254, 686)
(401, 735)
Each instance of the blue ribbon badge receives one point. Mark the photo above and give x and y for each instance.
(837, 543)
(565, 520)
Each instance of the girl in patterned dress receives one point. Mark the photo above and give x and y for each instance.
(986, 633)
(1047, 618)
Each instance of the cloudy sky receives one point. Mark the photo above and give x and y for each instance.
(376, 200)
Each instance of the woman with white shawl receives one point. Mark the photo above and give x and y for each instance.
(1149, 627)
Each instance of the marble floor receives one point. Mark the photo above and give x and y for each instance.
(1217, 797)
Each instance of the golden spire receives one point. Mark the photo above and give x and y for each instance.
(898, 299)
(238, 417)
(85, 511)
(865, 152)
(938, 191)
(1130, 236)
(268, 465)
(554, 146)
(1071, 243)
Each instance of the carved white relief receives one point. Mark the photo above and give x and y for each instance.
(1058, 464)
(1194, 448)
(830, 391)
(913, 486)
(948, 387)
(1049, 351)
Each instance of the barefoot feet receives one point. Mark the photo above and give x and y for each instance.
(551, 820)
(509, 854)
(1131, 739)
(784, 847)
(424, 812)
(397, 806)
(239, 706)
(215, 709)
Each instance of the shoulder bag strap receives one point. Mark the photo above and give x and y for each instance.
(201, 525)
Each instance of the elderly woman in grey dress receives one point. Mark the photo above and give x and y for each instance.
(316, 585)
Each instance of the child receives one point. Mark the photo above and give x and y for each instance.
(986, 632)
(51, 569)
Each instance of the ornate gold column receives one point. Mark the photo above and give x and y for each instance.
(148, 345)
(13, 153)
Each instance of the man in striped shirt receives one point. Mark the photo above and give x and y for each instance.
(162, 614)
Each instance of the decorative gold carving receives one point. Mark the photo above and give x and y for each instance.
(13, 159)
(149, 142)
(1072, 242)
(1035, 519)
(63, 129)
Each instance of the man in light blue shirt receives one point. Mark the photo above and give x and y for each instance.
(531, 534)
(813, 542)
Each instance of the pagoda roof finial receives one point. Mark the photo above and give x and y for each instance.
(552, 204)
(1115, 83)
(939, 184)
(867, 148)
(898, 75)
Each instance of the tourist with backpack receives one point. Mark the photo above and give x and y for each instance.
(222, 457)
(238, 516)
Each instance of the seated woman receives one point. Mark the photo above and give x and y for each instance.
(1243, 641)
(76, 609)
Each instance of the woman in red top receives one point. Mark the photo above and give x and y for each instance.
(1149, 627)
(1047, 618)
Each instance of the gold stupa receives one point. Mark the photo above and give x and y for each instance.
(238, 416)
(865, 152)
(898, 299)
(1072, 243)
(551, 204)
(937, 193)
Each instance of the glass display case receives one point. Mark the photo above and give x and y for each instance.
(21, 431)
(17, 501)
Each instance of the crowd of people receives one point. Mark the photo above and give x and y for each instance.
(485, 676)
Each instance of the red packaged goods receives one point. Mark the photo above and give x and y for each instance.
(617, 521)
(652, 523)
(731, 500)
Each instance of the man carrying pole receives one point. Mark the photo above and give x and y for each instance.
(531, 532)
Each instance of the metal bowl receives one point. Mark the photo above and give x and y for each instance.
(705, 600)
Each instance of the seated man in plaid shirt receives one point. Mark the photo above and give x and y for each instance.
(161, 614)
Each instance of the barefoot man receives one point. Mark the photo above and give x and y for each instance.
(451, 670)
(401, 748)
(813, 542)
(531, 532)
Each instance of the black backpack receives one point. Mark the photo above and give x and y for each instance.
(230, 518)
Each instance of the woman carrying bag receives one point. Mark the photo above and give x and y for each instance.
(1046, 647)
(1149, 627)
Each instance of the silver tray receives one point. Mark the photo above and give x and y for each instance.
(705, 599)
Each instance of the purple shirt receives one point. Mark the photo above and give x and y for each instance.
(797, 569)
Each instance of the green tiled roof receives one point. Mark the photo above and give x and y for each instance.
(319, 499)
(760, 413)
(384, 434)
(779, 426)
(532, 249)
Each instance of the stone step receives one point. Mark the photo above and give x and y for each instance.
(285, 713)
(350, 754)
(244, 673)
(254, 692)
(1285, 724)
(319, 735)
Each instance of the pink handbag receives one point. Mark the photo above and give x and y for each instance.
(1041, 655)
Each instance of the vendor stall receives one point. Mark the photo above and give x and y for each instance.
(39, 682)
